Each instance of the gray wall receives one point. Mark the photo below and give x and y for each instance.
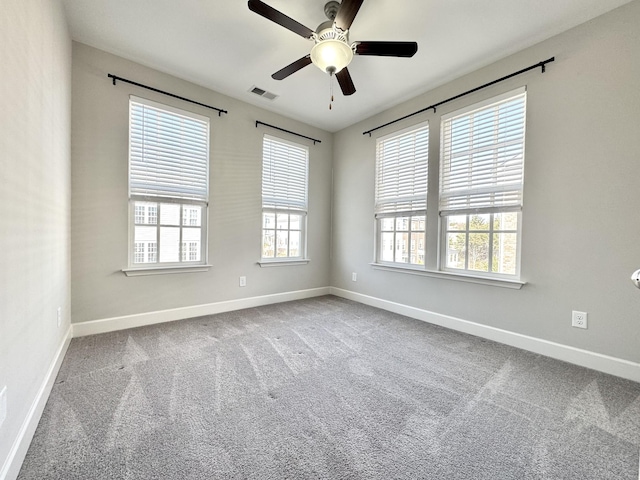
(35, 94)
(99, 197)
(581, 227)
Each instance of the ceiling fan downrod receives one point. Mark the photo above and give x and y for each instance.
(331, 9)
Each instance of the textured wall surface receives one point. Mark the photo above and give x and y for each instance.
(35, 94)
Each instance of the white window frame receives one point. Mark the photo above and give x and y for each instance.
(508, 197)
(491, 231)
(179, 190)
(392, 201)
(283, 195)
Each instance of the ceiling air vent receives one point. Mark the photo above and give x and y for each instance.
(263, 93)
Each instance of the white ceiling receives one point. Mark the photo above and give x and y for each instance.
(224, 46)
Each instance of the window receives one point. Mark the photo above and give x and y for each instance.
(481, 180)
(401, 196)
(168, 185)
(284, 199)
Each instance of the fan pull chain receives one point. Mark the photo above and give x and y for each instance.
(330, 91)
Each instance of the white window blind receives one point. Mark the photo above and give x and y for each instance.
(169, 152)
(482, 157)
(284, 175)
(401, 172)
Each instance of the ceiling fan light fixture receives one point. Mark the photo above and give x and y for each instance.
(331, 55)
(332, 52)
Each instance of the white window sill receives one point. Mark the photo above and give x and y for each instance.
(142, 271)
(459, 277)
(283, 262)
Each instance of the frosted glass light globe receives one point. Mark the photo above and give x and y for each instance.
(331, 55)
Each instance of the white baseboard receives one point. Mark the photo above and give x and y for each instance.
(584, 358)
(596, 361)
(141, 319)
(21, 444)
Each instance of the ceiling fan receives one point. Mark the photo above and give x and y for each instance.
(332, 52)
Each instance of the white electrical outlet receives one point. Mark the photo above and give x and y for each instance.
(354, 277)
(243, 281)
(3, 405)
(59, 316)
(579, 319)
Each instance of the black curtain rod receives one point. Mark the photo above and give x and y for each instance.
(114, 77)
(436, 105)
(314, 140)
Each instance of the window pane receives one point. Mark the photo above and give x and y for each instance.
(152, 214)
(456, 249)
(169, 215)
(402, 223)
(283, 221)
(192, 215)
(268, 220)
(386, 247)
(294, 244)
(139, 214)
(505, 221)
(191, 250)
(191, 234)
(402, 247)
(505, 253)
(268, 242)
(417, 248)
(282, 243)
(152, 252)
(295, 222)
(417, 224)
(457, 222)
(386, 224)
(479, 222)
(170, 243)
(145, 245)
(504, 258)
(479, 252)
(145, 234)
(194, 251)
(284, 237)
(146, 213)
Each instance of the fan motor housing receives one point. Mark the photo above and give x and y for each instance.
(327, 31)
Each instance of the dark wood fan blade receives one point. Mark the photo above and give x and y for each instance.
(280, 18)
(347, 12)
(387, 49)
(292, 68)
(345, 82)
